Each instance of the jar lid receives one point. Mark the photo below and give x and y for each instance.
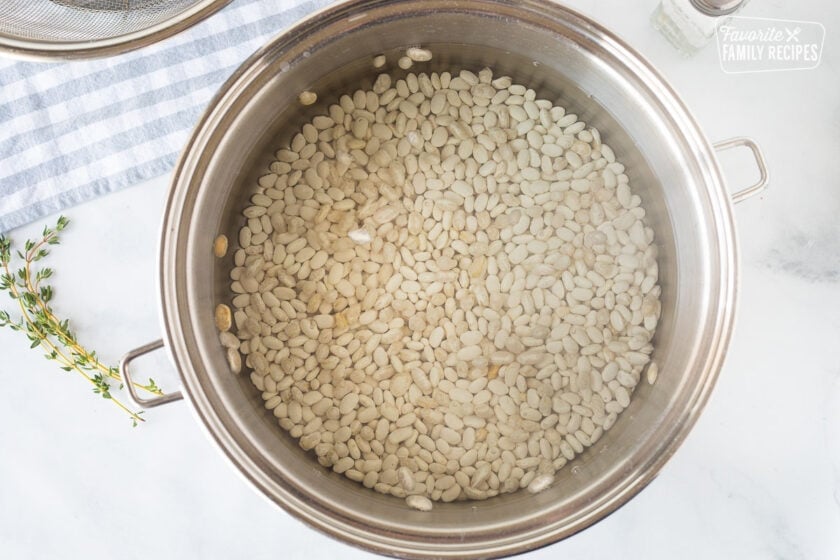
(717, 8)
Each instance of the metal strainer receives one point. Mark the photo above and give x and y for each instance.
(61, 29)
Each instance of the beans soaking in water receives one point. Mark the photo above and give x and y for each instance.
(445, 288)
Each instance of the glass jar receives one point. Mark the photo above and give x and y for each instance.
(689, 25)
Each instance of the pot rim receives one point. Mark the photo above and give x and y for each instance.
(173, 295)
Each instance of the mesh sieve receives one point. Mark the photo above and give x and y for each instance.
(83, 28)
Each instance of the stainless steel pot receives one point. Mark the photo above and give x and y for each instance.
(563, 56)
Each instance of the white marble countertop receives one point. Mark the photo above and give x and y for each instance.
(759, 476)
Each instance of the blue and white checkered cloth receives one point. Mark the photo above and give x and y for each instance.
(72, 131)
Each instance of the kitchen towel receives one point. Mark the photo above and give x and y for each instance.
(71, 131)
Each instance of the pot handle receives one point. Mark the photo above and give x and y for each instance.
(764, 175)
(126, 375)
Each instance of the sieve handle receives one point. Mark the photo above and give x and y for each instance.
(126, 375)
(764, 175)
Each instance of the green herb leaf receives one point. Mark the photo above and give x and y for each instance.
(40, 325)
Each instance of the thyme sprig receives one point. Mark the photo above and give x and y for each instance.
(44, 329)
